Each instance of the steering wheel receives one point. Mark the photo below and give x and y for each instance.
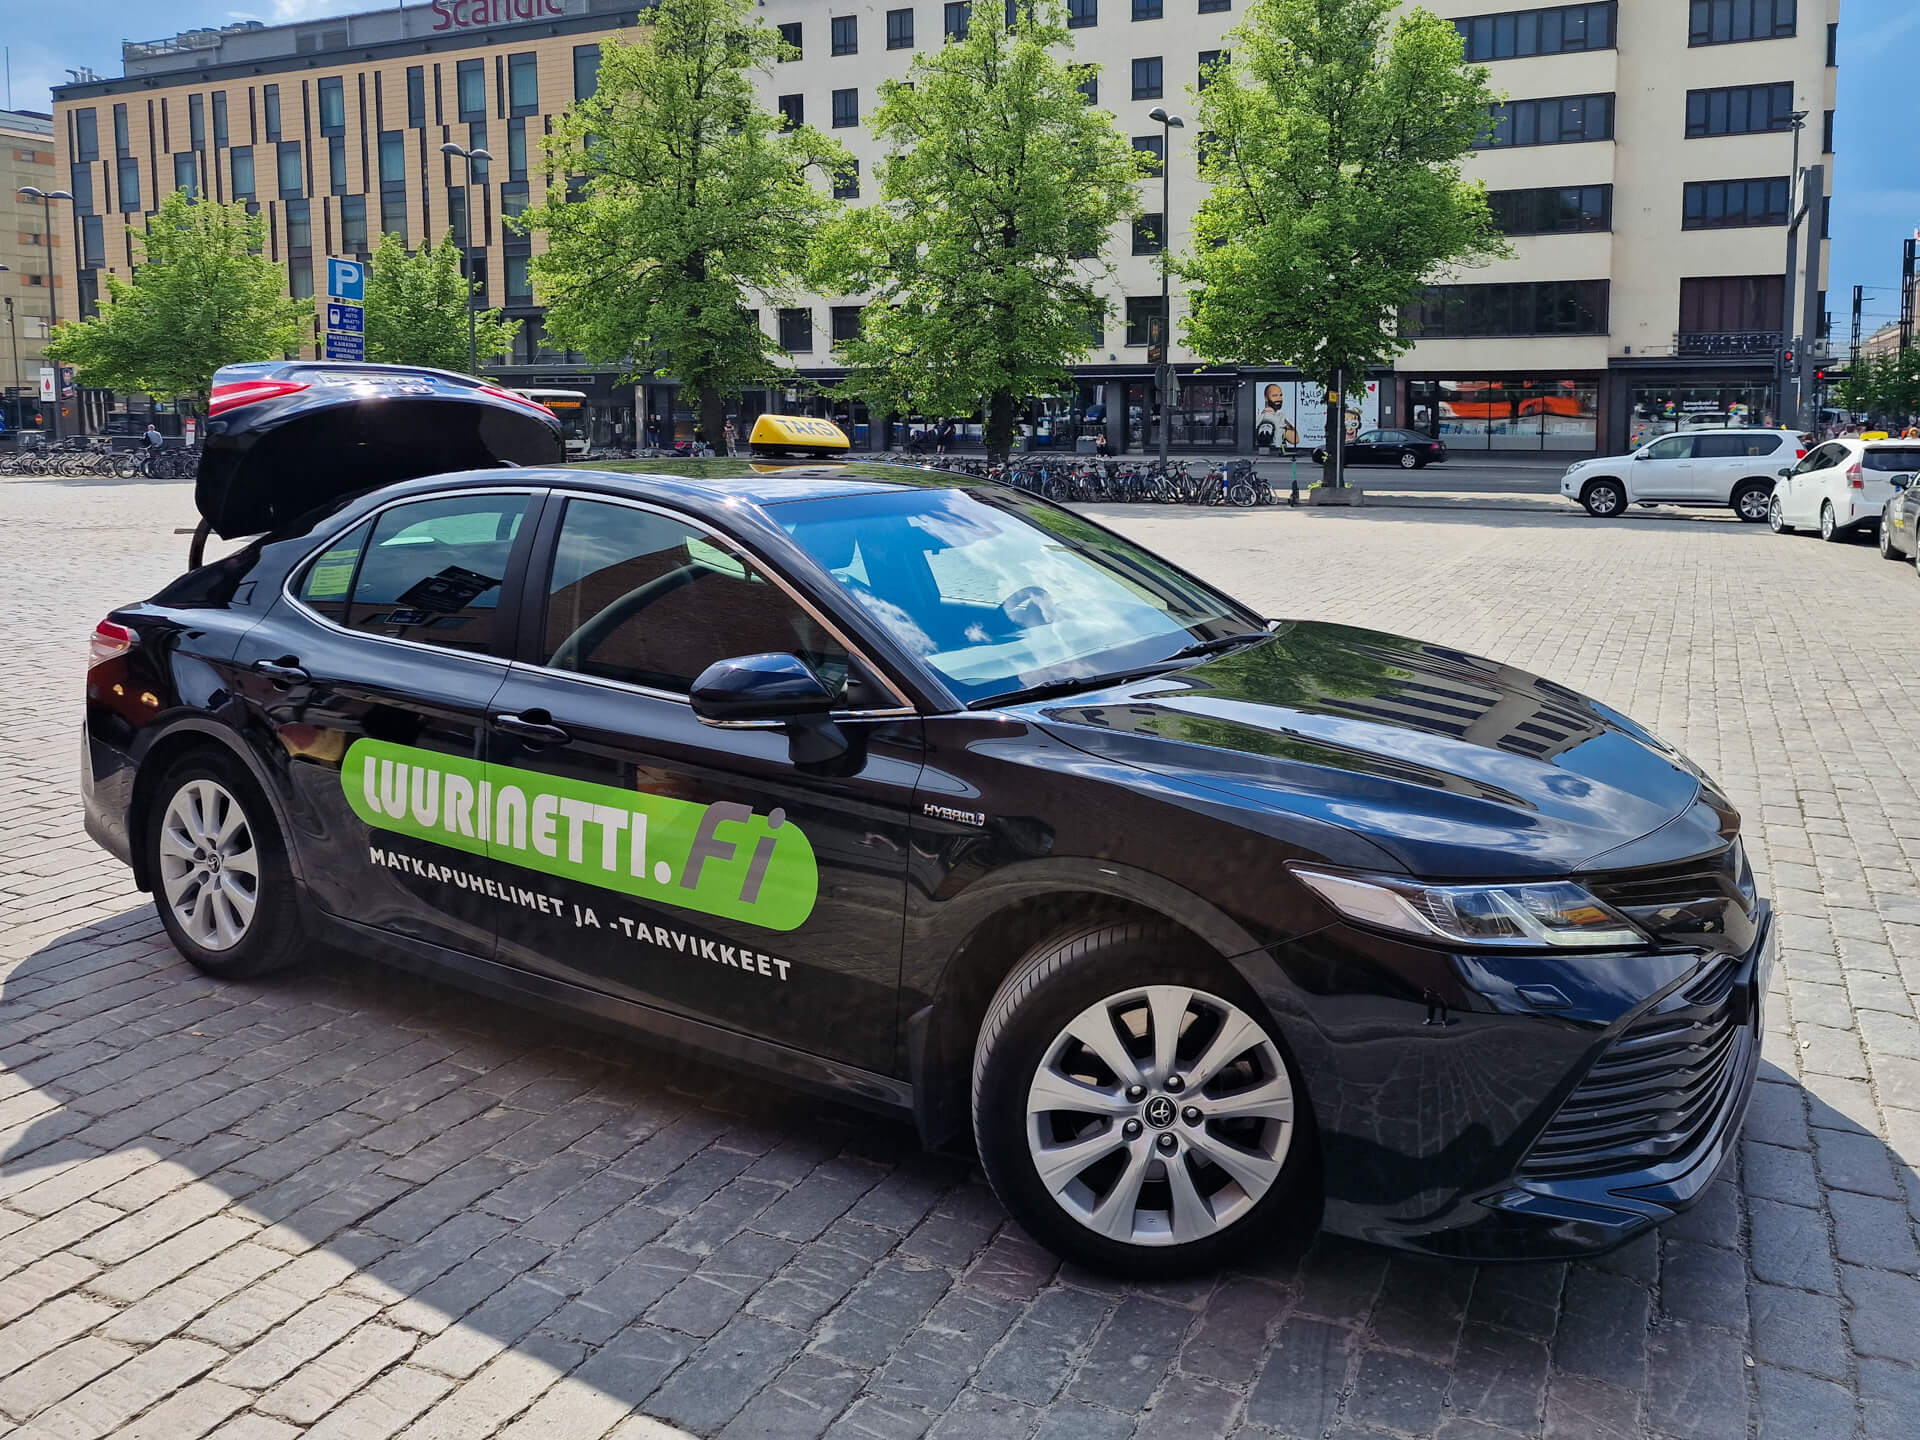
(595, 630)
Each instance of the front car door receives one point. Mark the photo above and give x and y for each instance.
(1365, 448)
(1806, 483)
(375, 673)
(1664, 469)
(714, 872)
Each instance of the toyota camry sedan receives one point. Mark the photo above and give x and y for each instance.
(928, 794)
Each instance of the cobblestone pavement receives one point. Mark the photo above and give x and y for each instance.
(363, 1205)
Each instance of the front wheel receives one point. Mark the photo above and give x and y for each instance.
(1605, 499)
(1133, 1108)
(1829, 524)
(1240, 494)
(1750, 503)
(1777, 517)
(1887, 552)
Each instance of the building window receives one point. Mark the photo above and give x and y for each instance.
(1731, 204)
(523, 84)
(586, 70)
(1154, 145)
(337, 164)
(93, 242)
(1210, 61)
(270, 112)
(846, 183)
(899, 29)
(793, 111)
(846, 323)
(956, 19)
(517, 149)
(120, 145)
(1739, 110)
(1143, 319)
(514, 198)
(846, 108)
(457, 214)
(291, 179)
(300, 273)
(1146, 9)
(184, 175)
(299, 225)
(471, 89)
(1210, 7)
(197, 122)
(1147, 231)
(477, 140)
(1833, 46)
(80, 186)
(846, 34)
(1556, 210)
(393, 215)
(393, 156)
(86, 136)
(333, 106)
(416, 96)
(1540, 307)
(1083, 14)
(1520, 33)
(1826, 134)
(1147, 78)
(1826, 230)
(1564, 120)
(791, 34)
(1090, 87)
(1727, 22)
(241, 166)
(519, 276)
(1732, 304)
(796, 330)
(219, 119)
(353, 223)
(128, 184)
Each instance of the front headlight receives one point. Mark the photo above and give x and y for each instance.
(1554, 914)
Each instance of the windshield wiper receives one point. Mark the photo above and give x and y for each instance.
(1073, 684)
(1218, 643)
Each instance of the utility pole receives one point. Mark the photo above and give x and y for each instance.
(1810, 327)
(1906, 291)
(468, 157)
(1781, 366)
(1859, 304)
(46, 199)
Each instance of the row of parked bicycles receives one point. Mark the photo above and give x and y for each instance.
(1180, 482)
(96, 455)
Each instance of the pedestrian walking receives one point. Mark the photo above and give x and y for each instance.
(729, 438)
(942, 436)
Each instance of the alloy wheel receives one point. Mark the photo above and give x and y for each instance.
(1160, 1115)
(1826, 520)
(1408, 460)
(1753, 504)
(209, 868)
(1776, 517)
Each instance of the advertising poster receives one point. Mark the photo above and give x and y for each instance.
(1292, 414)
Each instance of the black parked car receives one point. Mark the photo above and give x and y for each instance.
(1900, 521)
(1408, 449)
(927, 793)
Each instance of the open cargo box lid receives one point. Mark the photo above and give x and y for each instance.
(286, 436)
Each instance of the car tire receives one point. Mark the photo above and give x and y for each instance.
(1751, 501)
(231, 912)
(1777, 517)
(1604, 499)
(1885, 537)
(1409, 460)
(1093, 1176)
(1830, 530)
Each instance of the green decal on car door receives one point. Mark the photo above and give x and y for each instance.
(721, 859)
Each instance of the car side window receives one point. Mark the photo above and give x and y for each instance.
(641, 598)
(1763, 444)
(1672, 447)
(1719, 447)
(428, 571)
(1369, 437)
(328, 579)
(1812, 460)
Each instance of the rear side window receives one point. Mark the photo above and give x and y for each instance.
(1894, 460)
(429, 571)
(1721, 447)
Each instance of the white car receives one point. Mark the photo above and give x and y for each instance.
(1841, 487)
(1723, 465)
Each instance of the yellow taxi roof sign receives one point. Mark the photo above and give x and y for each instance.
(797, 432)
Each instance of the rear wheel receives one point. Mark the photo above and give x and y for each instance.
(1132, 1105)
(220, 873)
(1240, 493)
(1409, 460)
(1829, 523)
(1750, 502)
(1606, 499)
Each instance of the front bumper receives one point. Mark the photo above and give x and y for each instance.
(1534, 1108)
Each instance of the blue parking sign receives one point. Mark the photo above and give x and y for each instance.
(346, 280)
(342, 316)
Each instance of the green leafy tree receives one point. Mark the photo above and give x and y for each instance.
(1886, 386)
(1000, 183)
(1331, 143)
(201, 296)
(417, 308)
(694, 204)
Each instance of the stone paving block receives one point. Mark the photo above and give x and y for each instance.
(798, 1405)
(712, 1386)
(1798, 1407)
(1603, 1332)
(880, 1313)
(108, 1403)
(1304, 1380)
(1884, 1305)
(1500, 1378)
(1124, 1364)
(1790, 1246)
(59, 1373)
(1695, 1383)
(336, 1374)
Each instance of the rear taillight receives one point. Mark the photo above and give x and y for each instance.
(1800, 454)
(1853, 476)
(249, 392)
(108, 641)
(499, 393)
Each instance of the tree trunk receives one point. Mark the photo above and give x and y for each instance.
(999, 426)
(713, 417)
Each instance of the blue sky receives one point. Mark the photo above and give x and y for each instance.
(1877, 190)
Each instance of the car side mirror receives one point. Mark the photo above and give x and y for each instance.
(1785, 470)
(758, 690)
(1901, 482)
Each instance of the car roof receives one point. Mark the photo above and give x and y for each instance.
(743, 479)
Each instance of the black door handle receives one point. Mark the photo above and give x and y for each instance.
(532, 726)
(284, 671)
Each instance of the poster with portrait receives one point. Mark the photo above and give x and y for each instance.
(1303, 409)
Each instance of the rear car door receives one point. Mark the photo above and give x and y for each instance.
(1664, 469)
(375, 672)
(699, 869)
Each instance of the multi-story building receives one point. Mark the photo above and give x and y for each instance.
(30, 281)
(1642, 163)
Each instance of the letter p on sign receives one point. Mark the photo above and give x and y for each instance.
(346, 280)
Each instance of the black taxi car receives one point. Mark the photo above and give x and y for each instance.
(924, 792)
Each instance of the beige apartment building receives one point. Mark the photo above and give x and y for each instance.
(26, 159)
(1641, 164)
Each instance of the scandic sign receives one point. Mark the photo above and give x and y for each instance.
(463, 14)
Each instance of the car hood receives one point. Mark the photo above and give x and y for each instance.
(1458, 767)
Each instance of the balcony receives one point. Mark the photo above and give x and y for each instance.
(1744, 344)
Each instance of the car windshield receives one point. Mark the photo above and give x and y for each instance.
(999, 594)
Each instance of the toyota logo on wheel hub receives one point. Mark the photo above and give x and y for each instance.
(1159, 1112)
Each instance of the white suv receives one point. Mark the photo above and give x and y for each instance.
(1841, 487)
(1724, 465)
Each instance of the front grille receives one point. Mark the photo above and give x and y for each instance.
(1708, 902)
(1658, 1090)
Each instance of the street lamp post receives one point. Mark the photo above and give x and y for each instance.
(46, 199)
(1782, 370)
(468, 157)
(13, 339)
(1168, 124)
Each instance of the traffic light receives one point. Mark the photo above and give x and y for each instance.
(1787, 357)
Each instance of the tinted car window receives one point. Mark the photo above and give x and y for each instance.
(1673, 447)
(1373, 437)
(431, 571)
(1719, 447)
(1902, 458)
(643, 599)
(328, 578)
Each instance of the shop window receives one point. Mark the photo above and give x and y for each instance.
(1521, 413)
(1728, 22)
(1518, 34)
(1739, 110)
